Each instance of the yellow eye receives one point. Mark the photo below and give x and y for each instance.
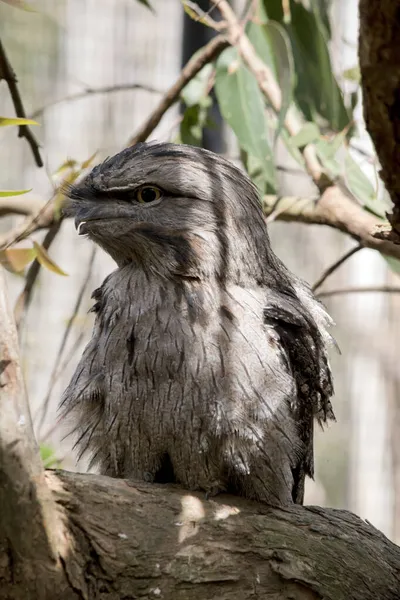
(148, 193)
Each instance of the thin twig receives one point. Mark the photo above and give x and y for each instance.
(24, 299)
(277, 212)
(335, 266)
(204, 17)
(94, 91)
(56, 370)
(44, 218)
(386, 289)
(190, 70)
(7, 73)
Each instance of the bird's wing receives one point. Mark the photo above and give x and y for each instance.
(303, 339)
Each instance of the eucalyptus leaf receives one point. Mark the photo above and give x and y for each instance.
(308, 134)
(7, 193)
(46, 261)
(6, 121)
(242, 106)
(353, 74)
(359, 184)
(317, 91)
(394, 263)
(196, 89)
(274, 9)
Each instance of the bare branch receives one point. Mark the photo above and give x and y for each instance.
(43, 219)
(108, 89)
(335, 266)
(24, 299)
(7, 73)
(190, 70)
(269, 86)
(386, 289)
(335, 209)
(20, 205)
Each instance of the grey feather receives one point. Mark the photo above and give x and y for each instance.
(208, 361)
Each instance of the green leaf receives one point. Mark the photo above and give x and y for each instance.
(326, 154)
(293, 150)
(46, 261)
(308, 134)
(262, 44)
(353, 74)
(191, 129)
(242, 106)
(394, 263)
(284, 62)
(317, 91)
(6, 193)
(196, 89)
(361, 187)
(5, 121)
(274, 9)
(48, 456)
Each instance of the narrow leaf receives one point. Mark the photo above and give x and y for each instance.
(283, 58)
(196, 89)
(308, 134)
(317, 91)
(352, 74)
(5, 121)
(86, 163)
(16, 259)
(6, 193)
(359, 184)
(242, 106)
(46, 261)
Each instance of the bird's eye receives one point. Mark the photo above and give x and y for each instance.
(148, 193)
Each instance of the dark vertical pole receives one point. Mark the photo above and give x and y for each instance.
(195, 35)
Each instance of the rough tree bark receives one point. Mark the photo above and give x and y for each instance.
(379, 54)
(72, 536)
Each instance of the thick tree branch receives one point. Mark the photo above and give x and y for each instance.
(380, 76)
(20, 205)
(336, 210)
(207, 55)
(30, 529)
(7, 73)
(155, 541)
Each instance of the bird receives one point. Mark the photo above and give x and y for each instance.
(208, 363)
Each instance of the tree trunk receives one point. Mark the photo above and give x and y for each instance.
(152, 541)
(379, 53)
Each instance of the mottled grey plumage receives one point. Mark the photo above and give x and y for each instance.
(208, 362)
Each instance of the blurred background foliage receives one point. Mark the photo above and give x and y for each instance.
(90, 72)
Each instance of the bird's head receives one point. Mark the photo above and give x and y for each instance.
(174, 210)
